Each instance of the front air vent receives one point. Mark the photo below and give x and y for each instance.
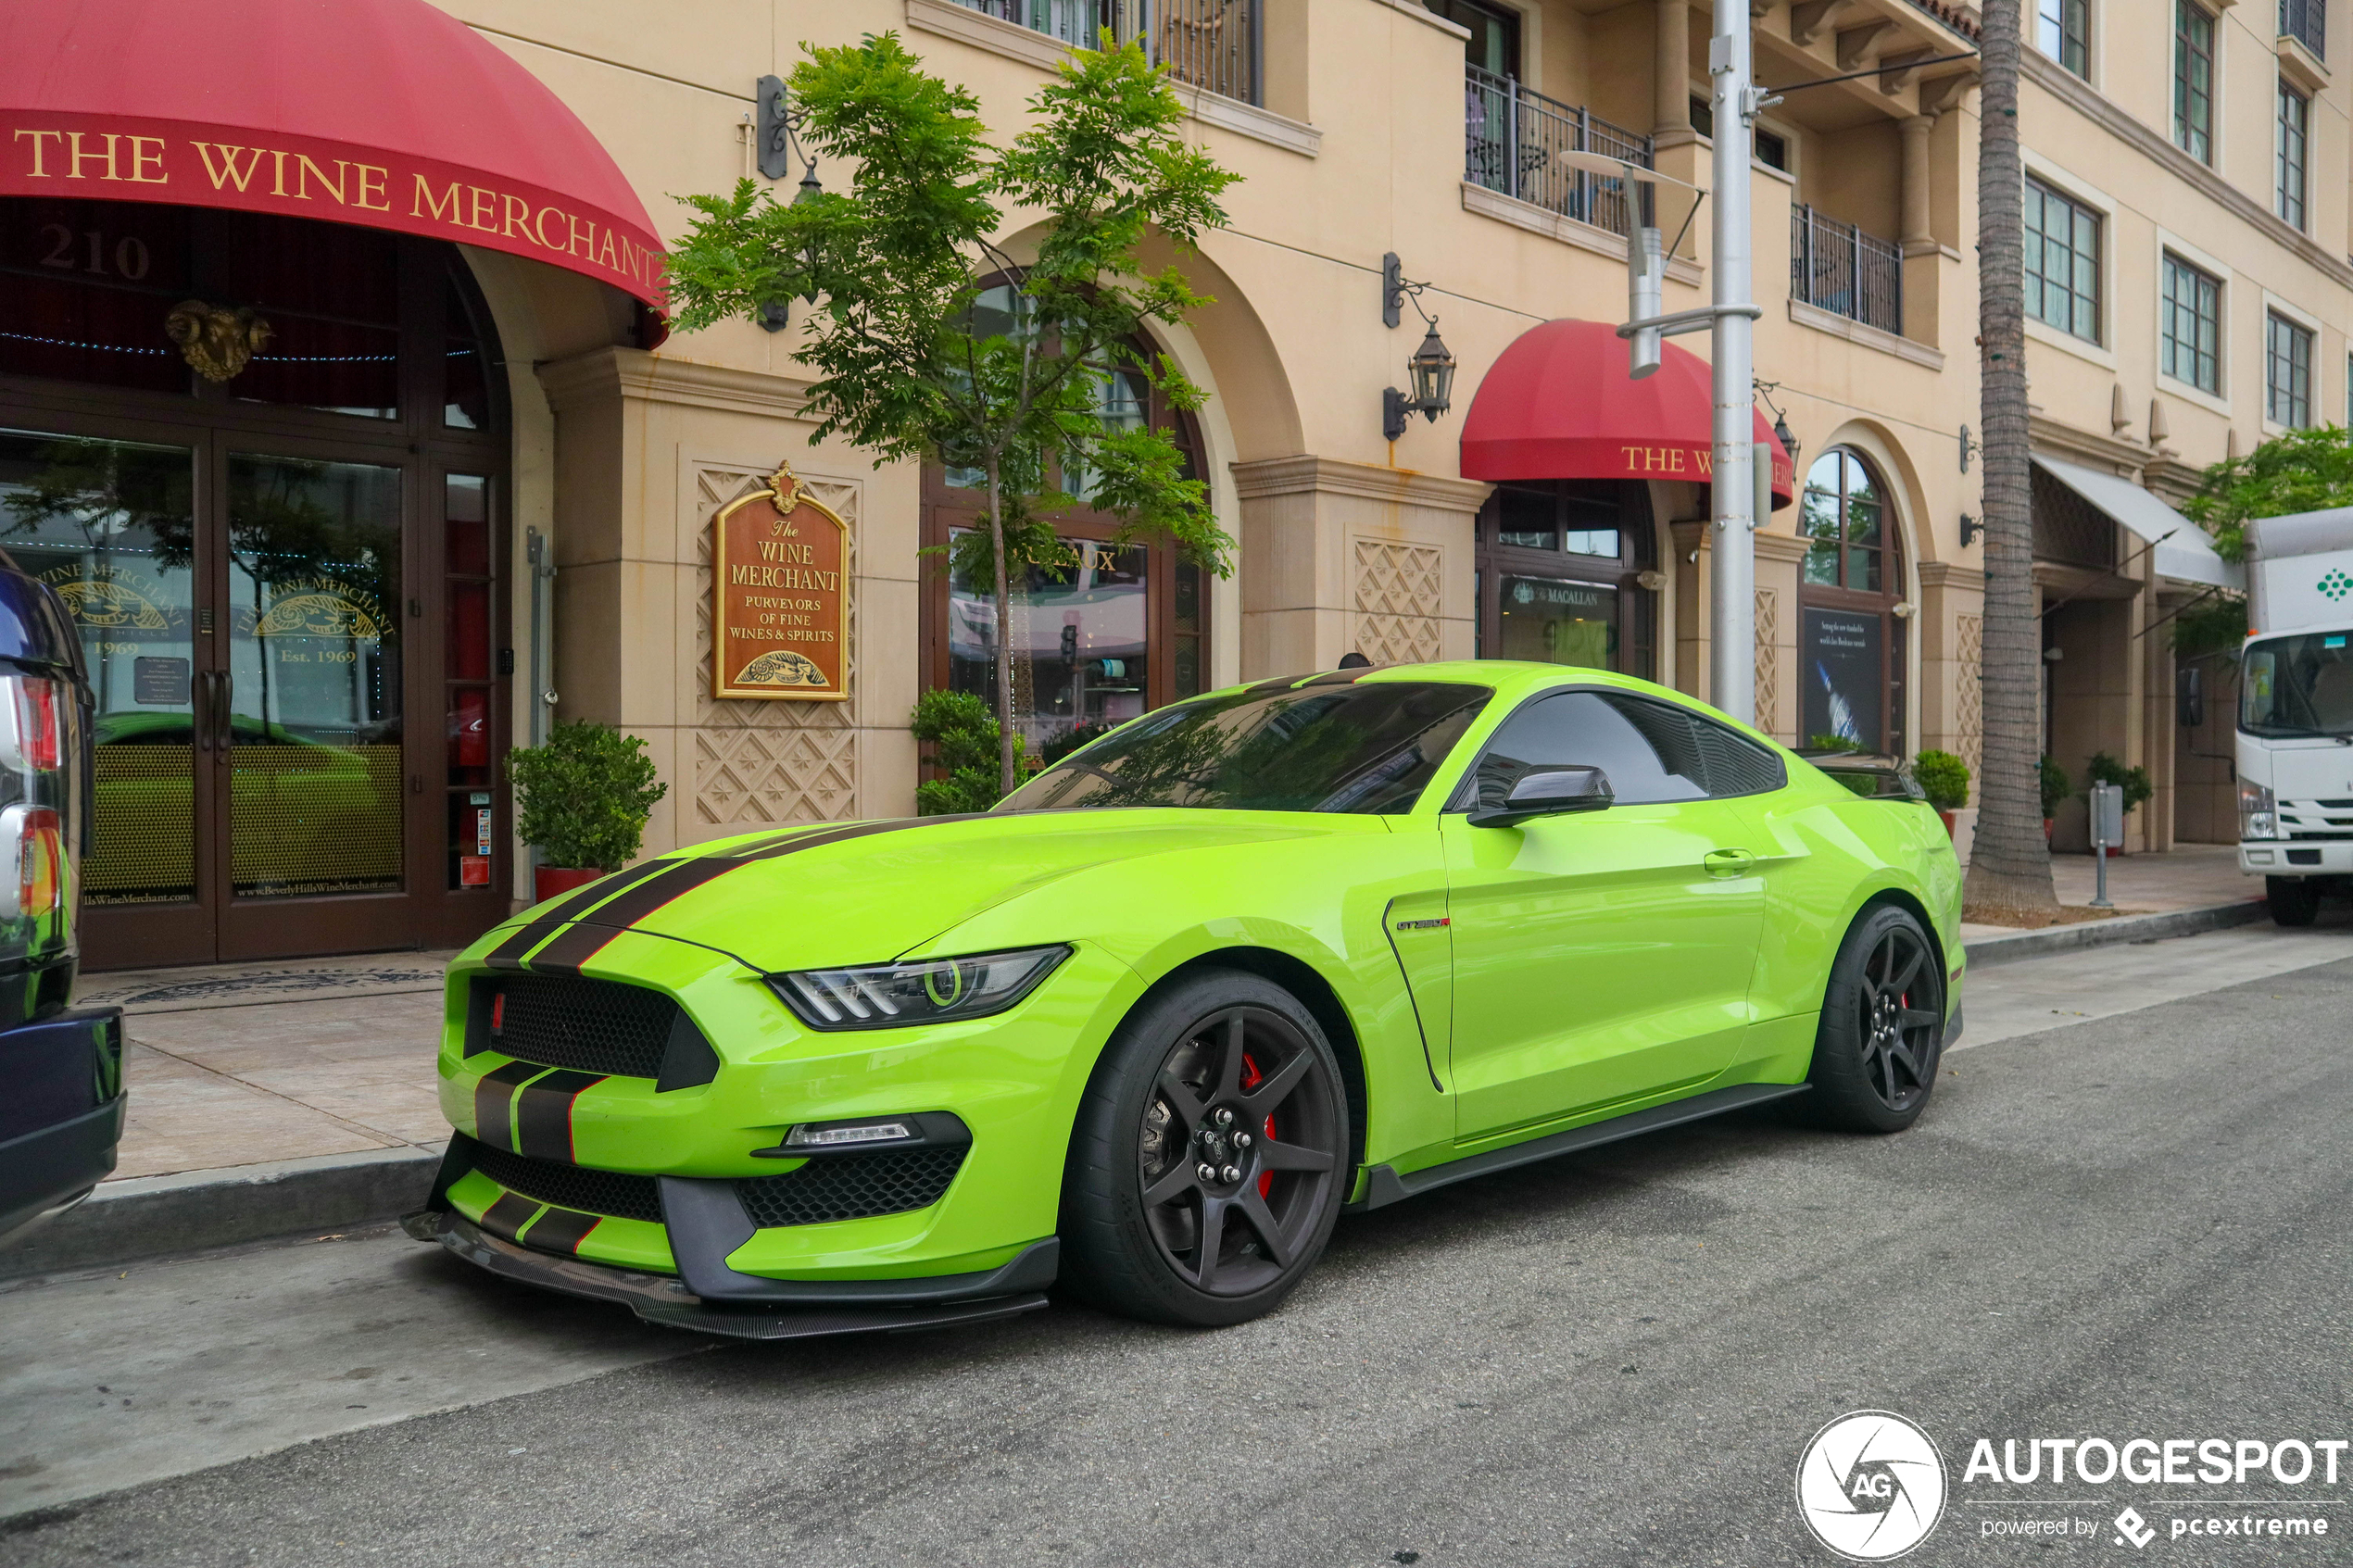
(601, 1026)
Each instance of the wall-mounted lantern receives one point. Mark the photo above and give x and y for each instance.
(778, 130)
(1430, 370)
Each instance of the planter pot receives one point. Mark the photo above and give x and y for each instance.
(546, 882)
(2046, 828)
(1951, 831)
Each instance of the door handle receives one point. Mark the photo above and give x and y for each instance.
(212, 711)
(1728, 862)
(200, 710)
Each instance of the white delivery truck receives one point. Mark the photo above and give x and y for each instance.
(2295, 711)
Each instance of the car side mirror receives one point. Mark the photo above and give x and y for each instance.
(1549, 792)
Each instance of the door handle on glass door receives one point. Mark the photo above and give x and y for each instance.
(1728, 862)
(200, 708)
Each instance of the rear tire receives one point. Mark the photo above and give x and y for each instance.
(2295, 901)
(1226, 1073)
(1882, 1029)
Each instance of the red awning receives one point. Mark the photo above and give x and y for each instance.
(1559, 405)
(385, 112)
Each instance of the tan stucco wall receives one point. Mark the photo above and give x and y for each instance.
(1344, 541)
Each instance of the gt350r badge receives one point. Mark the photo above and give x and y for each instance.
(1421, 925)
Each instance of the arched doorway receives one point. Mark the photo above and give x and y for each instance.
(1123, 631)
(1852, 651)
(264, 460)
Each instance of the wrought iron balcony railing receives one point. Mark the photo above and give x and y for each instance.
(1217, 45)
(2307, 22)
(1513, 139)
(1837, 267)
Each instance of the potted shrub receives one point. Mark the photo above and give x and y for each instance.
(962, 735)
(1943, 778)
(581, 801)
(2056, 788)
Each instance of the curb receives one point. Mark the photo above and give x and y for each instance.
(142, 1216)
(2052, 939)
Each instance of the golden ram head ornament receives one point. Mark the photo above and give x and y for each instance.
(217, 342)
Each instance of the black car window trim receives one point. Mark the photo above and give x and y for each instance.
(1463, 795)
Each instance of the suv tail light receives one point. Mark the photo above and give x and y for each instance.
(32, 839)
(32, 737)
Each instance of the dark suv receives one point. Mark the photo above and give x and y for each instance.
(60, 1068)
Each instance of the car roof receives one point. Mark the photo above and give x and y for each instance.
(1510, 679)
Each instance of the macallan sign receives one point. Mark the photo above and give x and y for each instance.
(780, 594)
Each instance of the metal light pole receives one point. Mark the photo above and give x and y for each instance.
(1732, 576)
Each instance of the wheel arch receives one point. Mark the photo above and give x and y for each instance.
(1315, 993)
(1905, 899)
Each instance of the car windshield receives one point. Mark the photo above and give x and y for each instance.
(2299, 686)
(1364, 748)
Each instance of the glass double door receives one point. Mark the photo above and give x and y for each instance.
(252, 619)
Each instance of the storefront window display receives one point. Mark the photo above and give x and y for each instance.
(1559, 565)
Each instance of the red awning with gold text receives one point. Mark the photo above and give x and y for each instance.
(1558, 403)
(385, 112)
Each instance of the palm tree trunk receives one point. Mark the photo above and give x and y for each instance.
(2009, 872)
(1005, 630)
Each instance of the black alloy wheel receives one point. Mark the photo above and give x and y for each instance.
(1882, 1029)
(1211, 1156)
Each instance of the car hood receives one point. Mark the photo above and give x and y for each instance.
(865, 893)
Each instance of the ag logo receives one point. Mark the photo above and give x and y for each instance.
(1871, 1486)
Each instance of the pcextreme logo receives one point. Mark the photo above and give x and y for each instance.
(1871, 1486)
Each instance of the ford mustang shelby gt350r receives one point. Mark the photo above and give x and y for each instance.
(1148, 1026)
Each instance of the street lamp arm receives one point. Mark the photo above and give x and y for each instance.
(1696, 320)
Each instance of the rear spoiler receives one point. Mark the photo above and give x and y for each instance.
(1867, 774)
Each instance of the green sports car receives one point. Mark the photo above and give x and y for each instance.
(1147, 1028)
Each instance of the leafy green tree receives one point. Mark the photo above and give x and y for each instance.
(964, 738)
(916, 358)
(583, 798)
(2298, 470)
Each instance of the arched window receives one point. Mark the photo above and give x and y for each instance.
(1852, 652)
(1122, 632)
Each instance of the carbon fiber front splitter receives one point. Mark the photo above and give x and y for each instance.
(664, 1299)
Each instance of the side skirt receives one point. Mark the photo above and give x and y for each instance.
(1384, 1187)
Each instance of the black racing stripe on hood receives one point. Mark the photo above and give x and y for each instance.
(494, 1101)
(509, 953)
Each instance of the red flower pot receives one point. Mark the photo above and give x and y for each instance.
(546, 882)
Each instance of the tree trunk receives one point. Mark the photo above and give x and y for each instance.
(2009, 872)
(1004, 631)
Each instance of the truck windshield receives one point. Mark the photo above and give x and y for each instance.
(1358, 748)
(2300, 686)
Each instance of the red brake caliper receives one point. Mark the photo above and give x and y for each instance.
(1251, 1078)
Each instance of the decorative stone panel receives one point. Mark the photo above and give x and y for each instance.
(1397, 601)
(1769, 661)
(1968, 699)
(760, 763)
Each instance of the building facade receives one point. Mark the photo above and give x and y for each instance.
(464, 483)
(2187, 295)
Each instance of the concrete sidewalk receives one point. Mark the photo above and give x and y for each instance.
(269, 1099)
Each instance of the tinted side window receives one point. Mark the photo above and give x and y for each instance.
(1653, 760)
(1735, 764)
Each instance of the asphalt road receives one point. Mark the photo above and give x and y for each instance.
(2132, 1226)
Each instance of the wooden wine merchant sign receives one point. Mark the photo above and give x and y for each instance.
(780, 596)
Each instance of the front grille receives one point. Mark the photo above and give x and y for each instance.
(591, 1025)
(852, 1186)
(2302, 836)
(571, 1186)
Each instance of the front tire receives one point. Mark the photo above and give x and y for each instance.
(1210, 1156)
(1882, 1029)
(2294, 900)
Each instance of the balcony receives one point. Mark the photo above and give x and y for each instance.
(2307, 22)
(1837, 267)
(1216, 45)
(1513, 139)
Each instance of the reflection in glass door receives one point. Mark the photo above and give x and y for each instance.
(308, 708)
(110, 525)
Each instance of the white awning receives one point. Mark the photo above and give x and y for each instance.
(2183, 553)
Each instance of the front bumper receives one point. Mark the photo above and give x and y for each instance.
(786, 1310)
(2287, 857)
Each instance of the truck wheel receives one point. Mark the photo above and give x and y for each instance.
(2295, 901)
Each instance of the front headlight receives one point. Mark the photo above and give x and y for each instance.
(892, 995)
(2258, 812)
